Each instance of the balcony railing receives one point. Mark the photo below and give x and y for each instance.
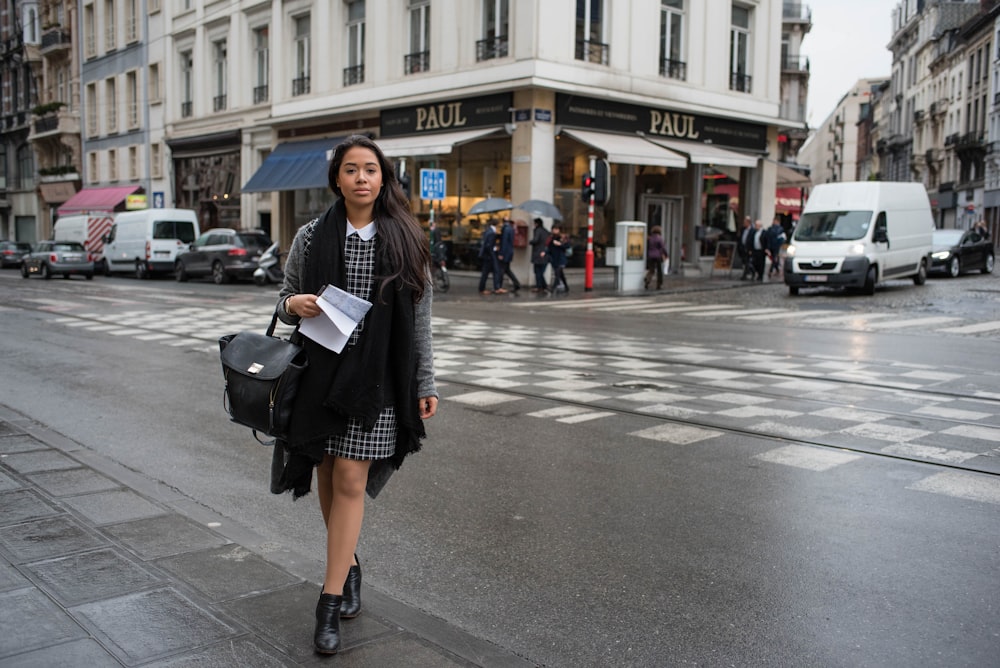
(592, 52)
(300, 86)
(354, 75)
(46, 124)
(186, 109)
(219, 103)
(795, 11)
(259, 94)
(492, 47)
(996, 99)
(416, 62)
(739, 82)
(951, 139)
(918, 115)
(673, 69)
(795, 64)
(55, 39)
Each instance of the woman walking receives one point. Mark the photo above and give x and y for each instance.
(358, 413)
(556, 250)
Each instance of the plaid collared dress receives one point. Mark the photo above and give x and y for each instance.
(380, 442)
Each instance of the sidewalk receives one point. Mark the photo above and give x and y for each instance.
(102, 566)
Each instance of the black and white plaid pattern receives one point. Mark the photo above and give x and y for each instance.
(359, 258)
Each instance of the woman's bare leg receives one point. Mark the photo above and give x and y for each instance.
(341, 486)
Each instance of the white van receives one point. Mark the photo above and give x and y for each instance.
(857, 234)
(88, 230)
(147, 242)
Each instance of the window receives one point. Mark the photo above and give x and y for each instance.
(61, 78)
(221, 82)
(262, 62)
(187, 83)
(739, 50)
(590, 44)
(111, 102)
(133, 163)
(31, 27)
(3, 166)
(418, 59)
(109, 25)
(131, 22)
(355, 71)
(494, 43)
(25, 167)
(154, 83)
(132, 100)
(155, 158)
(113, 165)
(91, 110)
(300, 84)
(672, 63)
(89, 32)
(153, 6)
(92, 174)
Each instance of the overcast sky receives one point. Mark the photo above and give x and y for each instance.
(847, 42)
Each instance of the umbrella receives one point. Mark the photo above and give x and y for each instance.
(490, 205)
(540, 208)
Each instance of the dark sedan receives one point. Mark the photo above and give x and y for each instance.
(11, 253)
(67, 258)
(224, 254)
(958, 251)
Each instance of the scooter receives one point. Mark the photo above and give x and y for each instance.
(269, 267)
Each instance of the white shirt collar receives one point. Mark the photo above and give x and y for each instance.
(366, 233)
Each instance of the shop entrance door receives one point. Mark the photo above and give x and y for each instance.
(665, 212)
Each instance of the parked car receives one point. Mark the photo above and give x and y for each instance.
(68, 258)
(958, 251)
(11, 253)
(224, 254)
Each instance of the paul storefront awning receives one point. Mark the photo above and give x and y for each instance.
(706, 154)
(434, 144)
(294, 165)
(103, 200)
(629, 149)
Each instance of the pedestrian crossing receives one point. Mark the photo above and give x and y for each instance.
(820, 318)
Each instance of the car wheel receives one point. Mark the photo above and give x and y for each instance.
(45, 272)
(870, 278)
(988, 267)
(219, 273)
(180, 273)
(793, 290)
(24, 271)
(954, 268)
(921, 276)
(141, 270)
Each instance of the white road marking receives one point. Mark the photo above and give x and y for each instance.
(484, 398)
(961, 485)
(977, 328)
(676, 433)
(805, 457)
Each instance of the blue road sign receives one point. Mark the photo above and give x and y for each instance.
(432, 183)
(158, 199)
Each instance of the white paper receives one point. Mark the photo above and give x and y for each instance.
(342, 312)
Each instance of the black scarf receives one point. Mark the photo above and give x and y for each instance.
(353, 383)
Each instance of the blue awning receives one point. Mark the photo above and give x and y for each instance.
(294, 165)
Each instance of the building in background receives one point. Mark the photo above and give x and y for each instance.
(792, 179)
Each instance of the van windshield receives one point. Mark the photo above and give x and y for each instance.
(833, 226)
(182, 230)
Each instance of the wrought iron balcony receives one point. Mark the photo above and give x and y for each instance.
(416, 62)
(354, 75)
(186, 109)
(739, 82)
(300, 86)
(259, 94)
(592, 52)
(56, 40)
(492, 47)
(219, 103)
(795, 64)
(673, 69)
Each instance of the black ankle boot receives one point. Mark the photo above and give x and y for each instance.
(327, 635)
(351, 606)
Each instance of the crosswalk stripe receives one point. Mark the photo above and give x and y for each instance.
(977, 328)
(738, 311)
(914, 322)
(786, 315)
(861, 318)
(688, 309)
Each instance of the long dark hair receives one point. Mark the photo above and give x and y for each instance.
(403, 241)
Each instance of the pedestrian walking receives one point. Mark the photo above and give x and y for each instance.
(539, 258)
(744, 246)
(556, 250)
(506, 254)
(358, 414)
(775, 240)
(656, 253)
(758, 250)
(488, 257)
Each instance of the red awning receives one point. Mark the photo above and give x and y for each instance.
(788, 200)
(102, 200)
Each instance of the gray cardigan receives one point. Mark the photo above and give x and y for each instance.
(294, 266)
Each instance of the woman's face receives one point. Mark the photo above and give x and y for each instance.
(360, 177)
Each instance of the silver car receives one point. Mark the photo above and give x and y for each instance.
(67, 258)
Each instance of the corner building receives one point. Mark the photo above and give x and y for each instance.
(510, 98)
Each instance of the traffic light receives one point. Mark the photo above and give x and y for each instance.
(601, 181)
(586, 187)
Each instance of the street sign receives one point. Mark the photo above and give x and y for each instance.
(432, 183)
(158, 199)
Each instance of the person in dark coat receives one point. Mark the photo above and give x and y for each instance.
(357, 413)
(488, 252)
(758, 250)
(744, 246)
(539, 258)
(556, 250)
(506, 254)
(656, 253)
(775, 236)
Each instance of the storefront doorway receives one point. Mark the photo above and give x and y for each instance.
(667, 212)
